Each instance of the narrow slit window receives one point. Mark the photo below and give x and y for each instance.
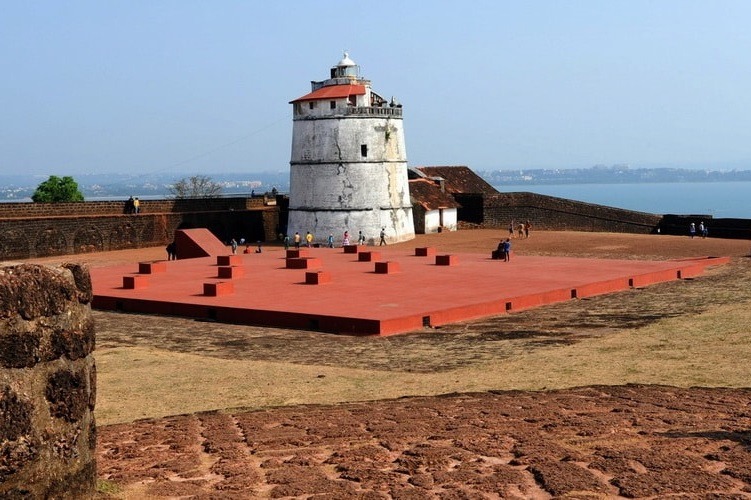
(364, 150)
(332, 104)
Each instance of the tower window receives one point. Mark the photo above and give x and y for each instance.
(332, 104)
(312, 104)
(364, 150)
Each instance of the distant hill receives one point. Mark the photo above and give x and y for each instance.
(616, 174)
(20, 187)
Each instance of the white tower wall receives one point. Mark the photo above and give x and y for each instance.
(349, 170)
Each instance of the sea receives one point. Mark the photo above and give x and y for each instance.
(718, 199)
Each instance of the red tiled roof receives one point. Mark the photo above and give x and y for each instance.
(429, 195)
(332, 92)
(460, 180)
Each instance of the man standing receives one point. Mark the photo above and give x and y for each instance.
(297, 240)
(383, 237)
(309, 239)
(360, 238)
(507, 250)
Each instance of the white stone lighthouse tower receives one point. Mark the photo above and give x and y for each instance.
(348, 170)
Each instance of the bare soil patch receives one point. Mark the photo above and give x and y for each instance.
(594, 398)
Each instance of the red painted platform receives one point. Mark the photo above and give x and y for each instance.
(360, 301)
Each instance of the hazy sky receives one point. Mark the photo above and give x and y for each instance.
(204, 86)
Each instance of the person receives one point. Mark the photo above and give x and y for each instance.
(704, 230)
(360, 238)
(309, 239)
(511, 229)
(497, 254)
(527, 227)
(129, 206)
(692, 230)
(383, 237)
(258, 249)
(136, 205)
(345, 240)
(233, 244)
(297, 239)
(507, 250)
(330, 240)
(247, 249)
(521, 230)
(274, 191)
(242, 241)
(172, 251)
(286, 242)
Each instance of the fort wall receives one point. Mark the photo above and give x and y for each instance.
(30, 230)
(551, 213)
(47, 383)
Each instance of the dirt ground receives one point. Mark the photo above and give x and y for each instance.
(595, 398)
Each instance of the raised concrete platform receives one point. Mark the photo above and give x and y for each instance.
(196, 243)
(362, 302)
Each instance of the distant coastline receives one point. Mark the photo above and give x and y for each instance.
(711, 198)
(20, 187)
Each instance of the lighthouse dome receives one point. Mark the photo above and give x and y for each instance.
(346, 61)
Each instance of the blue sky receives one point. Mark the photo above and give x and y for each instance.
(203, 87)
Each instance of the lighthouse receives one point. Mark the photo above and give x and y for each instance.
(348, 169)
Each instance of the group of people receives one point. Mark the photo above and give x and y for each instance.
(522, 229)
(297, 239)
(703, 230)
(132, 205)
(503, 250)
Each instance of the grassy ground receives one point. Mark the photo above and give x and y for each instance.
(684, 333)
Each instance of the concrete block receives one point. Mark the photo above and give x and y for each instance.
(218, 288)
(229, 272)
(369, 256)
(317, 278)
(387, 267)
(136, 281)
(298, 253)
(425, 251)
(152, 267)
(229, 260)
(303, 263)
(446, 260)
(354, 248)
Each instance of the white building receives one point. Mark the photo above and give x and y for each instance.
(348, 170)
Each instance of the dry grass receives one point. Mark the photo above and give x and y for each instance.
(686, 333)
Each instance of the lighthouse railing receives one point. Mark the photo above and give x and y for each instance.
(369, 110)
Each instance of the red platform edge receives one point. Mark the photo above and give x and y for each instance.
(118, 298)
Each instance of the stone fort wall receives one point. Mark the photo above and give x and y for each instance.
(47, 383)
(43, 229)
(551, 213)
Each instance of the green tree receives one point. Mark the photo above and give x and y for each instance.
(56, 190)
(197, 186)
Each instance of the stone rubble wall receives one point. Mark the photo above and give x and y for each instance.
(47, 383)
(29, 230)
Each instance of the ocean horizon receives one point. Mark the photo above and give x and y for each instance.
(717, 199)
